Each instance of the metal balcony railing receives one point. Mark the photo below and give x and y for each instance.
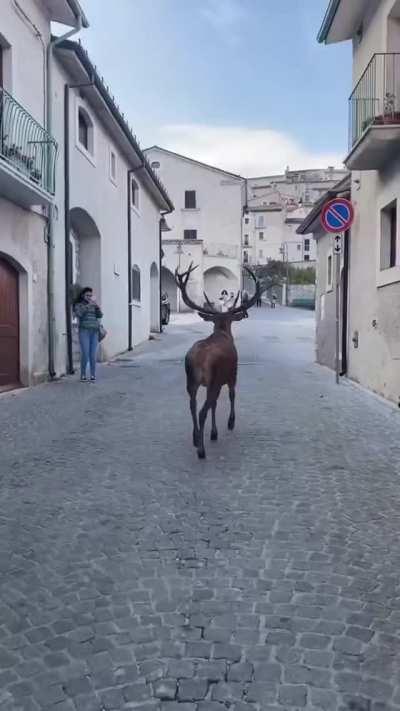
(375, 99)
(220, 250)
(26, 145)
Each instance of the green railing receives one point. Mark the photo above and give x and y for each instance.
(26, 145)
(375, 99)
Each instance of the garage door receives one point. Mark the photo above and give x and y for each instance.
(9, 325)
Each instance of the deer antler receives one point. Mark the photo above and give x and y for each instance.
(181, 281)
(251, 301)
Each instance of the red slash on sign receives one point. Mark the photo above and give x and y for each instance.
(337, 215)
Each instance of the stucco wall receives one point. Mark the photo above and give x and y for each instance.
(325, 304)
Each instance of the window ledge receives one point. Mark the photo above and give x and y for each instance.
(135, 303)
(388, 276)
(136, 210)
(85, 153)
(190, 209)
(113, 181)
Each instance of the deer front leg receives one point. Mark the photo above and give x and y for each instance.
(231, 421)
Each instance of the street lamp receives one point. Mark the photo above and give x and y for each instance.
(284, 250)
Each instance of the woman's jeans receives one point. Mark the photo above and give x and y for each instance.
(88, 340)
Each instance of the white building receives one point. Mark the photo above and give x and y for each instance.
(374, 262)
(276, 205)
(64, 161)
(113, 202)
(28, 154)
(206, 226)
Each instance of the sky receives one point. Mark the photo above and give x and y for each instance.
(240, 84)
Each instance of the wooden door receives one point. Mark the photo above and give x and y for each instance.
(9, 325)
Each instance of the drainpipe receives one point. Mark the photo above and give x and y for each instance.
(67, 224)
(50, 234)
(346, 240)
(130, 344)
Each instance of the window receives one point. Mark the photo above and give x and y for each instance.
(306, 257)
(134, 194)
(85, 131)
(306, 245)
(245, 257)
(155, 164)
(1, 67)
(260, 221)
(190, 199)
(189, 234)
(113, 166)
(298, 247)
(246, 240)
(261, 253)
(136, 283)
(261, 235)
(246, 220)
(389, 236)
(329, 273)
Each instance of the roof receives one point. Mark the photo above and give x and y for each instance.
(66, 12)
(149, 177)
(192, 160)
(311, 222)
(328, 19)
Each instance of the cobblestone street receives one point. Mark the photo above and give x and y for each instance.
(134, 576)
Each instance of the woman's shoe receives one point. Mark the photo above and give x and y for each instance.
(83, 379)
(92, 378)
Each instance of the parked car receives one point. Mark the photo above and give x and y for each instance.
(165, 309)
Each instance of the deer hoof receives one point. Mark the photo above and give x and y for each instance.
(214, 436)
(201, 454)
(231, 423)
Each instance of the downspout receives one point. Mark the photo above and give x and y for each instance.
(50, 233)
(130, 339)
(345, 301)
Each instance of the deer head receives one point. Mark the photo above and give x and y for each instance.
(207, 312)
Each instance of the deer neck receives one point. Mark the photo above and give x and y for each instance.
(223, 327)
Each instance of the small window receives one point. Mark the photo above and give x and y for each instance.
(245, 257)
(136, 291)
(299, 247)
(389, 236)
(155, 164)
(134, 194)
(189, 234)
(113, 166)
(261, 235)
(190, 199)
(306, 257)
(260, 221)
(306, 245)
(261, 253)
(246, 220)
(246, 240)
(85, 130)
(329, 273)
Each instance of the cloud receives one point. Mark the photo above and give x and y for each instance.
(246, 151)
(224, 15)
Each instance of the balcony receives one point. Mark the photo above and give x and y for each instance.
(27, 156)
(374, 126)
(215, 249)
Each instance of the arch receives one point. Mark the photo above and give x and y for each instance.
(218, 278)
(85, 250)
(154, 298)
(168, 285)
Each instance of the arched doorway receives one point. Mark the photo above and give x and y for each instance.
(154, 298)
(168, 285)
(9, 324)
(218, 278)
(85, 261)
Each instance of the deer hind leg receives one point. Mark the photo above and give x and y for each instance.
(211, 402)
(214, 431)
(192, 391)
(231, 421)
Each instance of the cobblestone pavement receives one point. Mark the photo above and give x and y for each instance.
(134, 576)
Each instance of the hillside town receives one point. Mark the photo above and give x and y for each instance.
(199, 361)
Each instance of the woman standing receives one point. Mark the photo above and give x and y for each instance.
(88, 313)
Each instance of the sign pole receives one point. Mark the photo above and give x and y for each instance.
(337, 285)
(336, 217)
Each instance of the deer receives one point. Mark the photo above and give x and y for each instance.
(212, 362)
